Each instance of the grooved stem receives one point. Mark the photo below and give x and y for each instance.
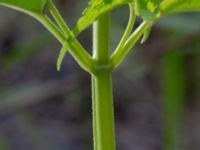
(103, 117)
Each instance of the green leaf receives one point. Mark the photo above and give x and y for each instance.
(148, 9)
(177, 6)
(27, 6)
(151, 10)
(61, 56)
(94, 10)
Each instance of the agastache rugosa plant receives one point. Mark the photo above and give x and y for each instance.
(102, 63)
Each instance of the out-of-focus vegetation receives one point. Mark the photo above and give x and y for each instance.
(156, 89)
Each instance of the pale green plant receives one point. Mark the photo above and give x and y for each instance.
(102, 63)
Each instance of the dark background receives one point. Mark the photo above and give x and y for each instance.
(156, 89)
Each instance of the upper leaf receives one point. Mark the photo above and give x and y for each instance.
(177, 6)
(30, 6)
(148, 9)
(94, 10)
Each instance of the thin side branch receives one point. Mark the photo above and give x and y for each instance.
(59, 19)
(77, 51)
(128, 28)
(120, 54)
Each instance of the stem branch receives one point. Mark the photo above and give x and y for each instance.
(76, 50)
(128, 28)
(120, 54)
(58, 18)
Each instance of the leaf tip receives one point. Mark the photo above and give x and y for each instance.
(61, 56)
(58, 66)
(146, 35)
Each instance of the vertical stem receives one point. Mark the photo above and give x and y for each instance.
(103, 120)
(103, 117)
(174, 94)
(101, 39)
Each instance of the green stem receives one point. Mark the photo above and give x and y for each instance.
(103, 120)
(81, 52)
(128, 28)
(76, 50)
(120, 54)
(58, 18)
(101, 39)
(174, 88)
(103, 117)
(50, 26)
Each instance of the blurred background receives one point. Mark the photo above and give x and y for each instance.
(156, 89)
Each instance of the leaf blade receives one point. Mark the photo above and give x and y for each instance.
(151, 10)
(94, 10)
(35, 6)
(178, 6)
